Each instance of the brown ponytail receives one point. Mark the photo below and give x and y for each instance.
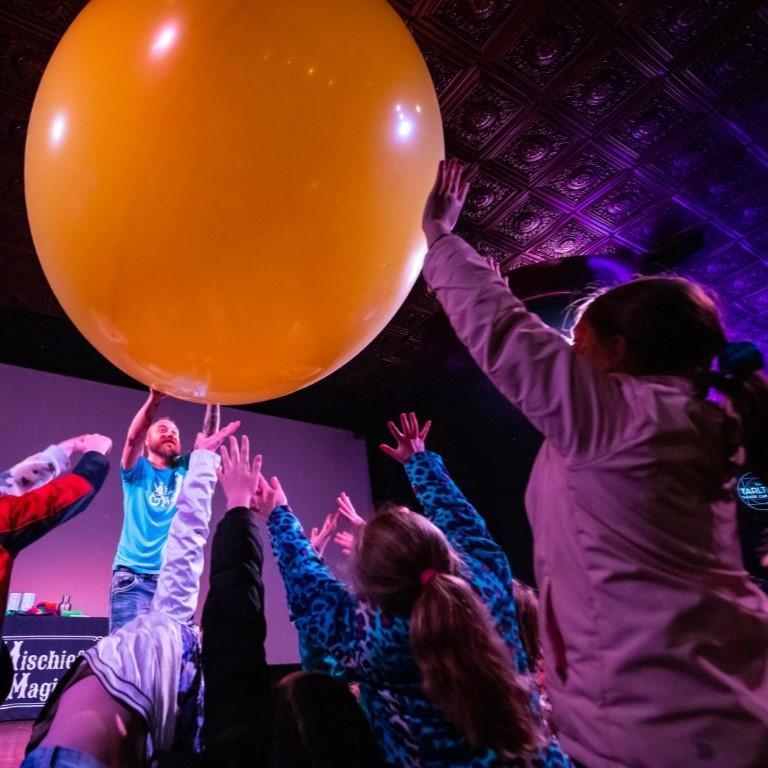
(527, 607)
(748, 397)
(405, 564)
(466, 670)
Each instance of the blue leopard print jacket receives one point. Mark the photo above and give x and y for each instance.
(372, 645)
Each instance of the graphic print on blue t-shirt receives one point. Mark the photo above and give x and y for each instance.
(163, 496)
(149, 504)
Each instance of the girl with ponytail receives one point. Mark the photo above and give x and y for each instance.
(655, 640)
(430, 630)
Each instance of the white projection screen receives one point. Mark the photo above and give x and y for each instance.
(313, 462)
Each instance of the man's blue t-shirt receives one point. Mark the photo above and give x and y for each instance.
(149, 503)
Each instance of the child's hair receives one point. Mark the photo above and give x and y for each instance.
(317, 723)
(673, 327)
(404, 564)
(527, 605)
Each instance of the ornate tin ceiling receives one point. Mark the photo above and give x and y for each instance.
(634, 130)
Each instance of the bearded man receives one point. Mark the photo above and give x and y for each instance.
(152, 468)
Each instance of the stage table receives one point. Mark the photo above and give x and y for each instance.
(42, 649)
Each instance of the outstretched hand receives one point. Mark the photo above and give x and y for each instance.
(319, 538)
(346, 541)
(213, 442)
(237, 475)
(445, 201)
(409, 439)
(345, 508)
(99, 443)
(85, 443)
(269, 495)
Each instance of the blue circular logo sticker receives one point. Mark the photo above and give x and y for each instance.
(753, 492)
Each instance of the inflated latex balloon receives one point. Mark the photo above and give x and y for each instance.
(225, 195)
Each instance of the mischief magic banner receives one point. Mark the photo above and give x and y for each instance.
(42, 649)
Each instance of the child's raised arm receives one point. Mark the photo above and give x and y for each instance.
(531, 363)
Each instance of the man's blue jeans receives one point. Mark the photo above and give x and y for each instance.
(130, 594)
(59, 757)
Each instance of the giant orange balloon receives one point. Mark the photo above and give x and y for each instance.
(225, 195)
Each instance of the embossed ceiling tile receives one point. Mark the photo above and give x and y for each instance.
(582, 175)
(526, 259)
(756, 329)
(51, 306)
(411, 315)
(527, 222)
(710, 267)
(757, 302)
(749, 107)
(552, 40)
(366, 368)
(388, 341)
(619, 251)
(747, 212)
(473, 20)
(691, 154)
(676, 26)
(625, 12)
(744, 281)
(753, 329)
(743, 55)
(738, 323)
(443, 69)
(23, 57)
(58, 14)
(534, 149)
(651, 123)
(759, 241)
(603, 87)
(574, 239)
(19, 263)
(21, 293)
(732, 312)
(13, 128)
(12, 183)
(726, 182)
(14, 228)
(481, 115)
(428, 303)
(713, 238)
(622, 203)
(508, 255)
(396, 330)
(660, 225)
(486, 194)
(505, 257)
(465, 230)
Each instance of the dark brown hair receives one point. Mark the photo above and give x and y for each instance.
(404, 564)
(317, 723)
(672, 326)
(527, 605)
